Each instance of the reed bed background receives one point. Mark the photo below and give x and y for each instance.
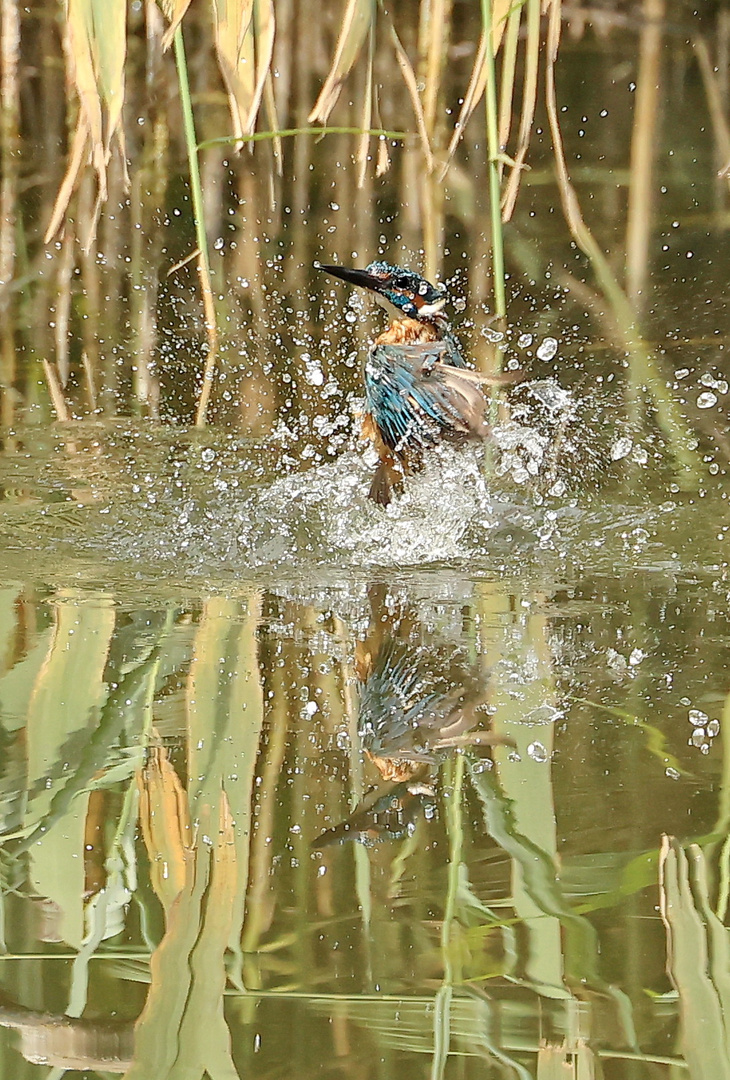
(166, 183)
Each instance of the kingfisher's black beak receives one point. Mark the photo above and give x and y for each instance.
(362, 278)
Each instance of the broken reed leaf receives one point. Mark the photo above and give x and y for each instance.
(110, 45)
(174, 11)
(501, 10)
(264, 24)
(409, 77)
(272, 116)
(67, 185)
(56, 393)
(474, 91)
(196, 190)
(641, 194)
(508, 75)
(383, 157)
(358, 18)
(79, 44)
(383, 162)
(244, 40)
(529, 102)
(234, 45)
(367, 116)
(95, 43)
(432, 46)
(64, 278)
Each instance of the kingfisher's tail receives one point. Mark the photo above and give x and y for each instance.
(387, 481)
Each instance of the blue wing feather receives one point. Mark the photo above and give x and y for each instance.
(416, 399)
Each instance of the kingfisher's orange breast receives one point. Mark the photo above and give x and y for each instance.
(408, 332)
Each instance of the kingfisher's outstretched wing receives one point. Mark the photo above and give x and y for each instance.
(416, 398)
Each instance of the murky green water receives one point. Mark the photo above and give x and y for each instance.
(295, 786)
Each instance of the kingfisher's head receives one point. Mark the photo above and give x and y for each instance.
(395, 288)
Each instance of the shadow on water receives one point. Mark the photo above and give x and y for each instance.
(292, 784)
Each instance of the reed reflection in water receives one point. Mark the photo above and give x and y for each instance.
(169, 873)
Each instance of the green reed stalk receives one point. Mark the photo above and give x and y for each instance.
(290, 133)
(196, 189)
(444, 997)
(495, 209)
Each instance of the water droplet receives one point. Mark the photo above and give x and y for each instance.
(615, 660)
(537, 752)
(672, 773)
(547, 348)
(315, 376)
(697, 717)
(621, 448)
(706, 400)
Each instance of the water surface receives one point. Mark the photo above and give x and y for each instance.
(292, 785)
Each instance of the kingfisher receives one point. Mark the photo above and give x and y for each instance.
(418, 388)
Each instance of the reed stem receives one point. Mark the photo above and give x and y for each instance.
(495, 210)
(211, 325)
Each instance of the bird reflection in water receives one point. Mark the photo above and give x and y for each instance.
(386, 813)
(418, 700)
